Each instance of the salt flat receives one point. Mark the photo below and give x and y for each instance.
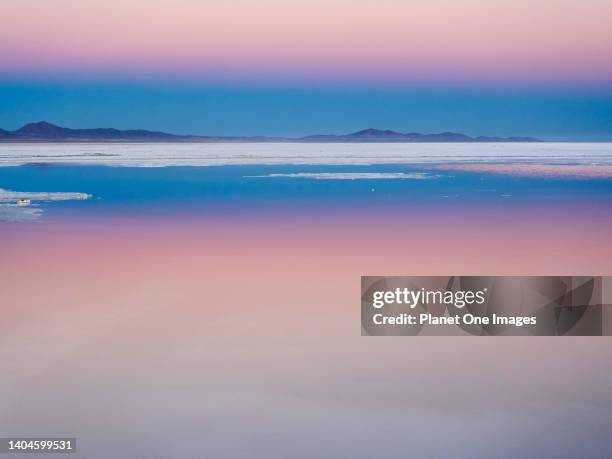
(216, 154)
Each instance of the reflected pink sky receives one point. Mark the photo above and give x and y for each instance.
(242, 337)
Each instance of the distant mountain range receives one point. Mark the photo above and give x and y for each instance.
(376, 135)
(47, 132)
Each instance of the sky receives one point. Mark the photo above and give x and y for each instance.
(273, 67)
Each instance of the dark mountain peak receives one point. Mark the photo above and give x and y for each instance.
(43, 131)
(39, 127)
(371, 132)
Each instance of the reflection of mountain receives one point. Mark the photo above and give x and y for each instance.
(47, 132)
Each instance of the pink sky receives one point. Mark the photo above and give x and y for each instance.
(390, 40)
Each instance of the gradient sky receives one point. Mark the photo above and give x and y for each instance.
(290, 68)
